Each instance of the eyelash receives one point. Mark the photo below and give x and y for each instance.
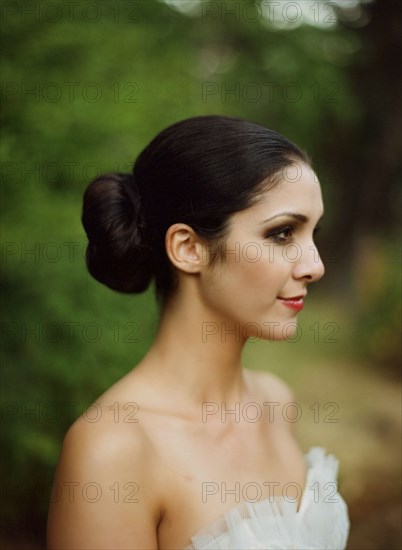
(274, 235)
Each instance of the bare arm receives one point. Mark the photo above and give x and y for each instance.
(103, 493)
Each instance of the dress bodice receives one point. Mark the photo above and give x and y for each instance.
(320, 522)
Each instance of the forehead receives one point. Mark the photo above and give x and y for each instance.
(298, 190)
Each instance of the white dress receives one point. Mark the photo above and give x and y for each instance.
(320, 523)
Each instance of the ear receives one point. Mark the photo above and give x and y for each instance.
(185, 248)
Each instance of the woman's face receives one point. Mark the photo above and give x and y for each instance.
(270, 257)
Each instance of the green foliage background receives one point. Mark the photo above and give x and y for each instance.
(83, 93)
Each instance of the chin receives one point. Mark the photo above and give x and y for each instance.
(278, 331)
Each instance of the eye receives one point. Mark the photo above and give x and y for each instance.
(281, 235)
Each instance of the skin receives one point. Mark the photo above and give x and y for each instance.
(163, 451)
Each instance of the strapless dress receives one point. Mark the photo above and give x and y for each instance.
(319, 522)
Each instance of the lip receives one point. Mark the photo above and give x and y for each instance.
(296, 302)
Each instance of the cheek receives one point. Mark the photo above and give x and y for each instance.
(251, 278)
(267, 272)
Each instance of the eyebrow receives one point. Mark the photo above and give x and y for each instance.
(300, 217)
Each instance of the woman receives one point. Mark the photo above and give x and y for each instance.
(221, 212)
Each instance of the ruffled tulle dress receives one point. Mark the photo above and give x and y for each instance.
(320, 522)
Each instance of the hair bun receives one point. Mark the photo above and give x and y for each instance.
(112, 217)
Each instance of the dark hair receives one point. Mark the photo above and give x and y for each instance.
(199, 172)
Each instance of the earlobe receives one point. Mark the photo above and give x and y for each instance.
(184, 248)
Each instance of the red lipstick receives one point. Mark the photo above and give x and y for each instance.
(295, 303)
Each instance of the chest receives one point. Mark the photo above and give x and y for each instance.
(207, 476)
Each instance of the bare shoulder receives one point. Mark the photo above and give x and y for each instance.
(272, 386)
(103, 495)
(104, 435)
(109, 434)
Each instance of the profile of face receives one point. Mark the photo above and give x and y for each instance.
(270, 257)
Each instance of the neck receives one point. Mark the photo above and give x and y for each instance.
(196, 355)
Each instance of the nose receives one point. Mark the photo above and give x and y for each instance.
(309, 266)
